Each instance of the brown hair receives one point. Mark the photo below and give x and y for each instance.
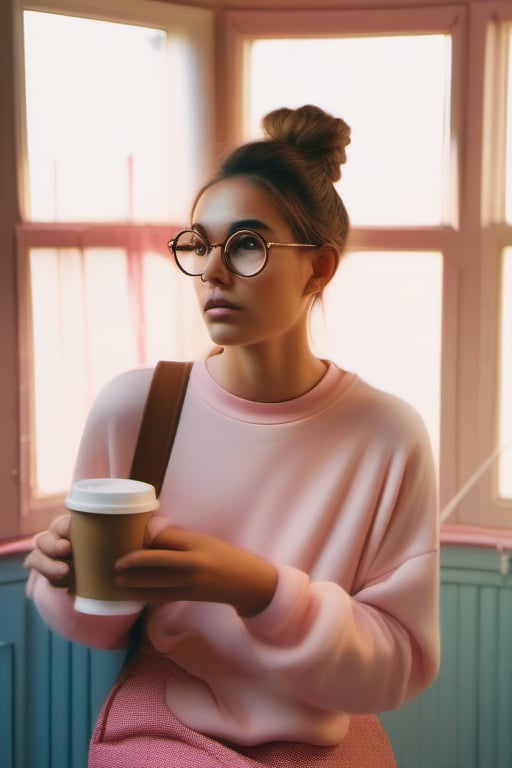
(297, 164)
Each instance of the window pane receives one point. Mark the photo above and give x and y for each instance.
(505, 419)
(83, 335)
(392, 91)
(173, 324)
(383, 321)
(97, 120)
(95, 313)
(508, 170)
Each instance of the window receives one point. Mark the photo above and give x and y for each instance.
(432, 206)
(395, 175)
(411, 282)
(396, 169)
(497, 234)
(362, 326)
(504, 490)
(505, 394)
(110, 173)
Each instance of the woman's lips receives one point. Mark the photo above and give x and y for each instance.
(214, 304)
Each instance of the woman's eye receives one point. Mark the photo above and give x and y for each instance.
(199, 248)
(247, 244)
(250, 243)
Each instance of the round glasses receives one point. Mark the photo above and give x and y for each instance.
(245, 253)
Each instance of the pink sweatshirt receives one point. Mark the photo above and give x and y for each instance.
(337, 489)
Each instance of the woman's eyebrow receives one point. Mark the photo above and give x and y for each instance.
(235, 226)
(249, 224)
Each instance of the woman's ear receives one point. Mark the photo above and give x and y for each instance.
(323, 263)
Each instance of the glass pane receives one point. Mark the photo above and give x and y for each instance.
(382, 319)
(505, 417)
(96, 313)
(83, 335)
(173, 325)
(508, 169)
(392, 91)
(97, 120)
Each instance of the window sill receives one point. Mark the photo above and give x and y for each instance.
(15, 546)
(451, 534)
(476, 536)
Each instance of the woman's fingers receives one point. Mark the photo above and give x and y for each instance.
(52, 552)
(61, 526)
(56, 571)
(161, 535)
(154, 578)
(151, 558)
(52, 545)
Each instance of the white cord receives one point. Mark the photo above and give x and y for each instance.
(455, 501)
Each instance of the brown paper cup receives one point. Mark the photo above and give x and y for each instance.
(108, 519)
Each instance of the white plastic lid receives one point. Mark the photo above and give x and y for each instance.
(107, 607)
(111, 495)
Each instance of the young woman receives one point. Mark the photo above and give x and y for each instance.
(293, 566)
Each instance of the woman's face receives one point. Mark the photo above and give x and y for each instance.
(272, 305)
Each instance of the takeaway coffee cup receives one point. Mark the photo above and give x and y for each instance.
(108, 518)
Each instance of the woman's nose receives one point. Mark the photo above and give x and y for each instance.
(215, 271)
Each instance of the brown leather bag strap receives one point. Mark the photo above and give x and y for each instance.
(160, 422)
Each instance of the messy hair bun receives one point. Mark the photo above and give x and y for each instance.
(297, 164)
(320, 136)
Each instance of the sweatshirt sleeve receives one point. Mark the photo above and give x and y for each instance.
(106, 450)
(372, 649)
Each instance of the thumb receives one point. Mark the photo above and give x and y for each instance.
(154, 527)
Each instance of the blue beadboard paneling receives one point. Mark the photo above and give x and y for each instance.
(51, 690)
(464, 720)
(12, 633)
(6, 705)
(37, 695)
(503, 712)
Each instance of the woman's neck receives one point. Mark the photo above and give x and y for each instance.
(266, 376)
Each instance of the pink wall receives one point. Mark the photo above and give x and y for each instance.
(9, 491)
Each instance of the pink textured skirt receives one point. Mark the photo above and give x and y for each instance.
(135, 729)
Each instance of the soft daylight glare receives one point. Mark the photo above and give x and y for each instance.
(382, 319)
(508, 161)
(392, 91)
(97, 120)
(88, 324)
(79, 301)
(383, 311)
(505, 398)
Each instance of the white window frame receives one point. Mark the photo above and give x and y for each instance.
(470, 316)
(195, 26)
(471, 240)
(491, 22)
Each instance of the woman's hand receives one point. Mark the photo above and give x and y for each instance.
(187, 565)
(51, 555)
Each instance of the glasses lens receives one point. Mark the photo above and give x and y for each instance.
(246, 253)
(191, 251)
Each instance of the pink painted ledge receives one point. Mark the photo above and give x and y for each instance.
(456, 535)
(15, 546)
(476, 536)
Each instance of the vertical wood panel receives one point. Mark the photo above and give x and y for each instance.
(7, 705)
(467, 745)
(60, 702)
(412, 735)
(447, 681)
(488, 676)
(80, 705)
(38, 699)
(504, 691)
(430, 746)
